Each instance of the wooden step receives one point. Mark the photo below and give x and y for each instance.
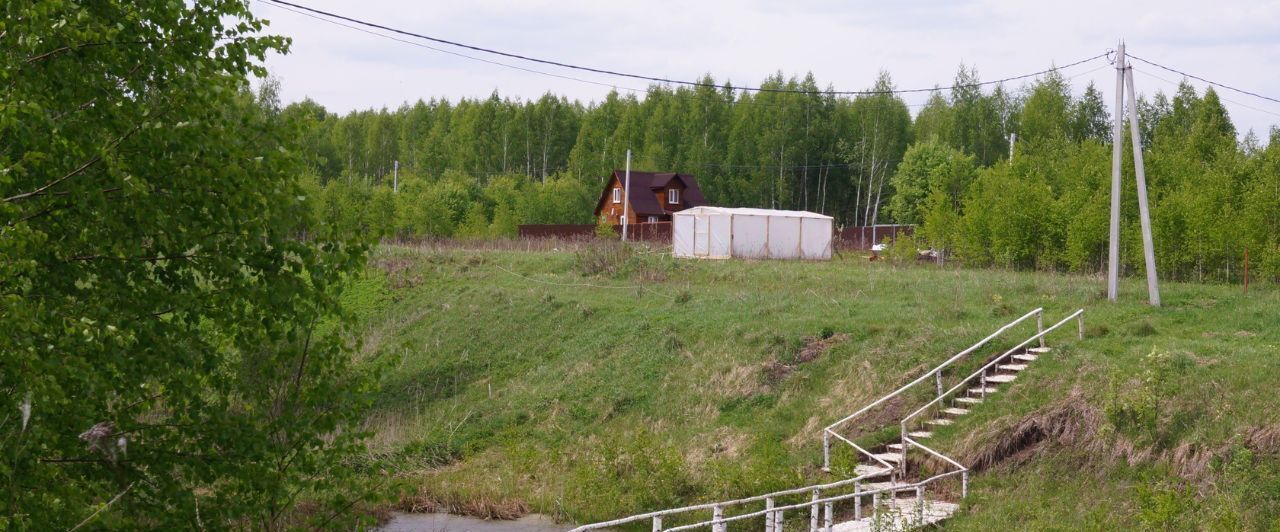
(953, 411)
(968, 400)
(872, 486)
(1025, 358)
(900, 514)
(1012, 367)
(895, 446)
(1038, 350)
(892, 458)
(979, 390)
(1001, 379)
(920, 434)
(939, 421)
(871, 470)
(901, 491)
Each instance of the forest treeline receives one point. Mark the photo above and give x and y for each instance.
(480, 167)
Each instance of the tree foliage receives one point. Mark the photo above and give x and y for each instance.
(168, 347)
(862, 159)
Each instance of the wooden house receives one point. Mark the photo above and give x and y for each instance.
(654, 197)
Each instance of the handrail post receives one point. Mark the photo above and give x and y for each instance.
(857, 501)
(983, 383)
(1080, 325)
(826, 450)
(1040, 327)
(920, 504)
(657, 523)
(875, 505)
(902, 435)
(964, 484)
(813, 513)
(717, 513)
(778, 518)
(768, 514)
(938, 379)
(831, 517)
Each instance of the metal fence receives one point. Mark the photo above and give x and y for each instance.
(847, 238)
(642, 232)
(861, 238)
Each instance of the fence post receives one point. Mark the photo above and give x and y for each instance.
(717, 513)
(826, 451)
(657, 523)
(813, 513)
(1040, 326)
(1080, 326)
(768, 514)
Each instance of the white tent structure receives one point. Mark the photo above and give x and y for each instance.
(721, 233)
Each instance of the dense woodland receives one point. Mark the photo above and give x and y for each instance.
(477, 168)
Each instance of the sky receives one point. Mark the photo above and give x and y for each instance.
(844, 44)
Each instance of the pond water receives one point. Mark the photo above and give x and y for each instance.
(404, 522)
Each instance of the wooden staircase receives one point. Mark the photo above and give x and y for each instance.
(894, 512)
(885, 492)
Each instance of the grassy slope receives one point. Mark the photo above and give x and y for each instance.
(515, 381)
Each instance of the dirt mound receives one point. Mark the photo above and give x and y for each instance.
(1070, 421)
(814, 347)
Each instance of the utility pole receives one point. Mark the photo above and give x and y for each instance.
(1124, 80)
(395, 177)
(1144, 212)
(1117, 145)
(626, 200)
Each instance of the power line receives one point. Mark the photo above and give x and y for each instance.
(698, 97)
(1175, 84)
(534, 71)
(775, 167)
(450, 52)
(666, 80)
(1214, 83)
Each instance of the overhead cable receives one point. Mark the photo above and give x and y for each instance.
(1192, 76)
(660, 79)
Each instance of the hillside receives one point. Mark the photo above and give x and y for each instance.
(593, 383)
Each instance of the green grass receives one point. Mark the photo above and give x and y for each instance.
(514, 382)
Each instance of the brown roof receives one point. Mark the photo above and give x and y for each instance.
(644, 184)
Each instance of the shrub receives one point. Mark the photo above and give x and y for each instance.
(602, 258)
(604, 230)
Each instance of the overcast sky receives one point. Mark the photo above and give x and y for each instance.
(844, 44)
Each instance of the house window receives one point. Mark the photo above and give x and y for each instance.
(617, 195)
(673, 196)
(653, 219)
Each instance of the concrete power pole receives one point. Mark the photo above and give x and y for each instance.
(1144, 213)
(1117, 145)
(395, 177)
(1124, 76)
(626, 200)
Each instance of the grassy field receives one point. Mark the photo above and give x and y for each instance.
(593, 383)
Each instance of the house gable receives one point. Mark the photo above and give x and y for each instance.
(650, 196)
